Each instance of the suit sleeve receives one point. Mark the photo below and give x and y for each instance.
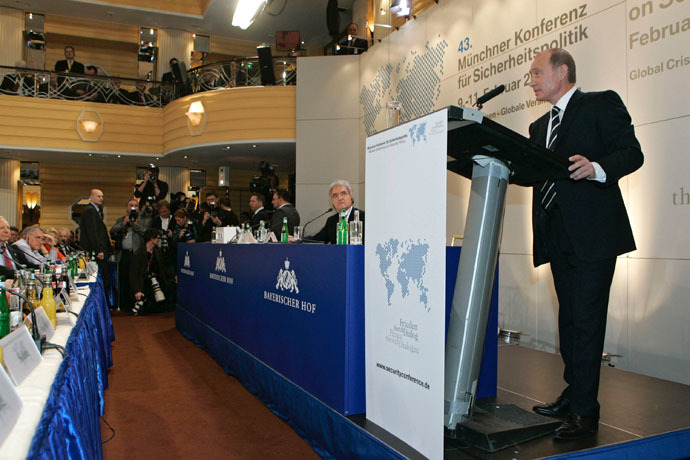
(614, 126)
(277, 222)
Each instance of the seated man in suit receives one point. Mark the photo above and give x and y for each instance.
(283, 208)
(20, 83)
(340, 194)
(27, 251)
(352, 43)
(8, 268)
(69, 64)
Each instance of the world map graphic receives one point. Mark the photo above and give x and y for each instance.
(417, 86)
(402, 265)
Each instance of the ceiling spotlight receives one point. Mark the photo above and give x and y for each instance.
(253, 145)
(119, 156)
(227, 147)
(401, 7)
(246, 12)
(185, 157)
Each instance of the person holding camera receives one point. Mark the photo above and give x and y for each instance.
(185, 229)
(151, 281)
(213, 215)
(151, 189)
(128, 235)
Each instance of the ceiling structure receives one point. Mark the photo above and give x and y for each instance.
(207, 17)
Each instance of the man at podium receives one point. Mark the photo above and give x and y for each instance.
(581, 225)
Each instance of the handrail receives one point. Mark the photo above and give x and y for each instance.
(129, 91)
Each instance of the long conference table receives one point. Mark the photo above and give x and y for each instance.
(63, 399)
(288, 321)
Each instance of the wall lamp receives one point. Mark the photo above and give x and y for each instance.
(196, 118)
(90, 125)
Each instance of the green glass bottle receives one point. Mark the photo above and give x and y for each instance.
(4, 310)
(342, 229)
(284, 232)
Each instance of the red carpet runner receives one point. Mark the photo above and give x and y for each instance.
(168, 399)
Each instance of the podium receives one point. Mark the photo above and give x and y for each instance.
(492, 156)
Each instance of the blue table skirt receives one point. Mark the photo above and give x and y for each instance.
(70, 426)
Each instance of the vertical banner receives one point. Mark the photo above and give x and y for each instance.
(405, 263)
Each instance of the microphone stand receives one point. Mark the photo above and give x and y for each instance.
(304, 229)
(39, 339)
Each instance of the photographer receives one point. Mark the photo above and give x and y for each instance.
(151, 188)
(151, 282)
(128, 233)
(213, 215)
(164, 222)
(185, 230)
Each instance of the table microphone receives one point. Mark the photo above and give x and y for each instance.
(304, 229)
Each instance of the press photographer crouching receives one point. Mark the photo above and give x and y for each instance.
(152, 283)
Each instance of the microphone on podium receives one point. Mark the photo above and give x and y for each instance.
(304, 229)
(490, 95)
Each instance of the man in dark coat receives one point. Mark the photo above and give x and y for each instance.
(581, 224)
(94, 234)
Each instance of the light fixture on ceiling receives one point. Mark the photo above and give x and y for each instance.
(401, 7)
(246, 11)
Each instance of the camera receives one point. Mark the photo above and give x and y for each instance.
(212, 209)
(133, 214)
(265, 183)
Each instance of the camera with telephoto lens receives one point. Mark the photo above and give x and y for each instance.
(158, 295)
(133, 214)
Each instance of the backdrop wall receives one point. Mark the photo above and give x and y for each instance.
(454, 52)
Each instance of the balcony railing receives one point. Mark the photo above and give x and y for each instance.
(128, 91)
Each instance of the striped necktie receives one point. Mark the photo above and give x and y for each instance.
(548, 190)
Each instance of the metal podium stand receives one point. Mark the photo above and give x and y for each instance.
(492, 156)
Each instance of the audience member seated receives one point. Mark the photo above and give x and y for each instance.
(69, 64)
(50, 249)
(21, 83)
(283, 208)
(149, 277)
(64, 241)
(27, 250)
(117, 95)
(14, 234)
(340, 194)
(352, 43)
(8, 268)
(140, 96)
(256, 204)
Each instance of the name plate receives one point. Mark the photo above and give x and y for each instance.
(44, 324)
(20, 354)
(10, 405)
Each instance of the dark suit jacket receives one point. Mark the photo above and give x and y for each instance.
(5, 271)
(258, 217)
(328, 234)
(277, 219)
(77, 67)
(93, 233)
(597, 126)
(354, 46)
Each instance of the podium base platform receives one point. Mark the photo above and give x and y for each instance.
(493, 427)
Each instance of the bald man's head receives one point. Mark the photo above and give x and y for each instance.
(96, 197)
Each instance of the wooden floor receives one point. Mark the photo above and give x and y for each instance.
(633, 407)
